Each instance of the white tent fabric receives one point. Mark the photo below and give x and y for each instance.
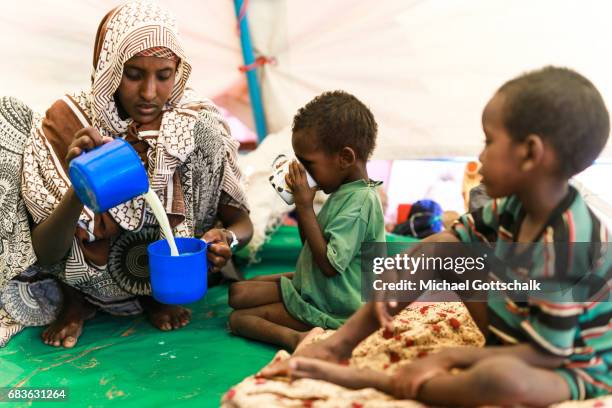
(426, 67)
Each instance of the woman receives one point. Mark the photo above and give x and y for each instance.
(138, 93)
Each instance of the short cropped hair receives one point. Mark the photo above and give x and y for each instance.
(338, 119)
(562, 107)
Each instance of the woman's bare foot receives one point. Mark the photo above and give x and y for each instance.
(68, 325)
(165, 317)
(308, 337)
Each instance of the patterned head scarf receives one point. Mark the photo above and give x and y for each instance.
(159, 52)
(138, 28)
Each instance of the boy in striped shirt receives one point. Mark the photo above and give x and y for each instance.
(541, 129)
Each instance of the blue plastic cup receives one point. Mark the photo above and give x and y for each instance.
(179, 279)
(108, 175)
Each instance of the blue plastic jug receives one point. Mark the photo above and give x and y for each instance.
(108, 175)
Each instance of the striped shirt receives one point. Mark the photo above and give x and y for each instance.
(575, 243)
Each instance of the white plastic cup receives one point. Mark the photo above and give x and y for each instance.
(280, 168)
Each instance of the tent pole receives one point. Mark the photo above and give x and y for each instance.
(251, 74)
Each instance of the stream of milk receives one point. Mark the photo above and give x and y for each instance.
(162, 218)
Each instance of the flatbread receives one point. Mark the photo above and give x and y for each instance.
(418, 330)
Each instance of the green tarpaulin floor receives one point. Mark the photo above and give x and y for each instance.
(127, 361)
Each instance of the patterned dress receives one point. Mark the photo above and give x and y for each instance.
(190, 159)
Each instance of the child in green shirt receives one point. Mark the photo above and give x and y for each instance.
(333, 137)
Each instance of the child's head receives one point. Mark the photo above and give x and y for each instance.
(331, 134)
(549, 123)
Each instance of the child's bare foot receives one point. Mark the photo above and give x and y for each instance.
(68, 325)
(165, 317)
(307, 338)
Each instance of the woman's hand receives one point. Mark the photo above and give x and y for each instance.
(84, 140)
(297, 181)
(219, 251)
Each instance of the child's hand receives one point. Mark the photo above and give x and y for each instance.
(312, 351)
(382, 314)
(303, 367)
(219, 251)
(349, 377)
(410, 377)
(297, 182)
(384, 310)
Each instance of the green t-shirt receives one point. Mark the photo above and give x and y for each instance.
(352, 215)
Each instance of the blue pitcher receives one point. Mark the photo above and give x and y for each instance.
(108, 175)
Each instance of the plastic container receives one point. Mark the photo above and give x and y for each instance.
(108, 175)
(280, 168)
(179, 279)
